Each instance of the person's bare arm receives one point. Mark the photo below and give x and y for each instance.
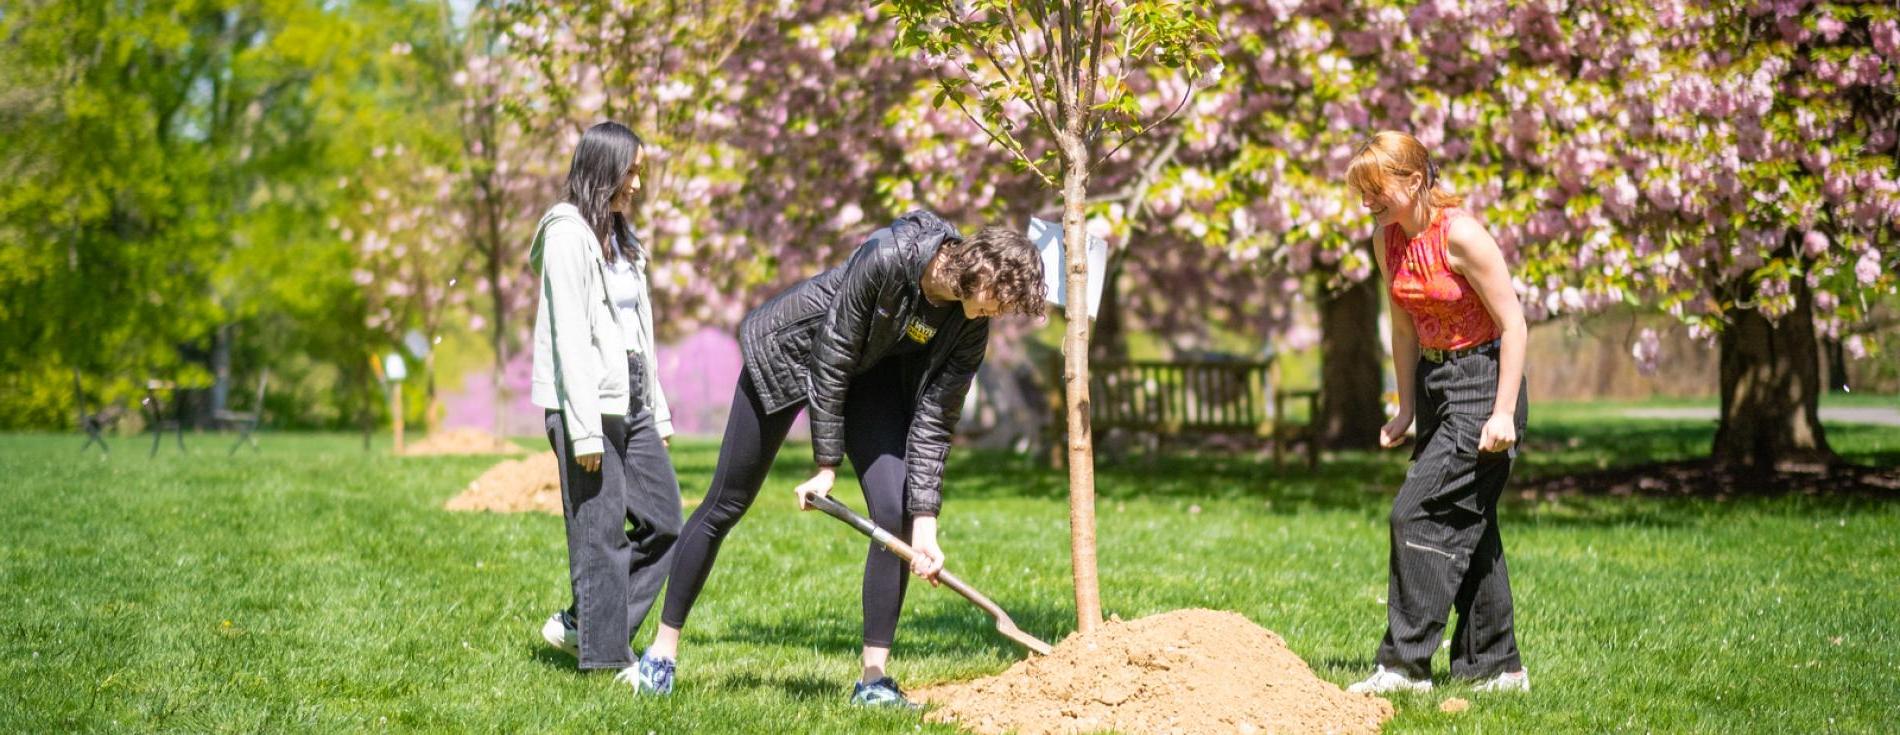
(1404, 357)
(1478, 258)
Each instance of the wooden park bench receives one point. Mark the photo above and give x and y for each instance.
(1168, 398)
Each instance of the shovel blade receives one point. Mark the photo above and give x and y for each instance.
(1009, 630)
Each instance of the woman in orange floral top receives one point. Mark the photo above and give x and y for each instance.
(1458, 339)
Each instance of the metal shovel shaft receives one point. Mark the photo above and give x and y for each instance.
(896, 546)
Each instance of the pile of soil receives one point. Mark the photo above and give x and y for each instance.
(516, 485)
(461, 441)
(1186, 671)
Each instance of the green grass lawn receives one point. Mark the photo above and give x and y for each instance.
(316, 587)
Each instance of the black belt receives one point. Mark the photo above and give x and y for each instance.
(1443, 355)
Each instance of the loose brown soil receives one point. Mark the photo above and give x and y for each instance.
(516, 485)
(461, 441)
(1186, 671)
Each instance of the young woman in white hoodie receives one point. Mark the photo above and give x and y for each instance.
(594, 372)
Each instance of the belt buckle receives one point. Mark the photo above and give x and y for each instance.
(1434, 355)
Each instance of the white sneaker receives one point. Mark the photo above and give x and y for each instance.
(560, 632)
(1384, 681)
(1510, 681)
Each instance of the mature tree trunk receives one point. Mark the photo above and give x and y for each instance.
(1110, 338)
(221, 368)
(1351, 406)
(1075, 350)
(1771, 389)
(431, 403)
(1836, 366)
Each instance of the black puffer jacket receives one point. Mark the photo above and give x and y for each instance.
(807, 343)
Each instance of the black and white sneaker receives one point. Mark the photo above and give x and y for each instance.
(880, 693)
(561, 632)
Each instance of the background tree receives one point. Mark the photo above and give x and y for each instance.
(167, 158)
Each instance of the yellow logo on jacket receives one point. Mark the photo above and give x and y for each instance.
(918, 331)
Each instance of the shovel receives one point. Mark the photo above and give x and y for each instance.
(903, 551)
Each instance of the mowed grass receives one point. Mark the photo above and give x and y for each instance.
(317, 587)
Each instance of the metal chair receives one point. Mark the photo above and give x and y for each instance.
(155, 413)
(245, 421)
(94, 421)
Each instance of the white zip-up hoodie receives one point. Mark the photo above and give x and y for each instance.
(580, 359)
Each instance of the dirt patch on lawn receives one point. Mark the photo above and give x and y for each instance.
(1186, 671)
(461, 441)
(516, 485)
(1707, 479)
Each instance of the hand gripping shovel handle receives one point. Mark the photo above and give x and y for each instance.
(1004, 625)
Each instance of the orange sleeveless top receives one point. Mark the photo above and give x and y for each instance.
(1444, 307)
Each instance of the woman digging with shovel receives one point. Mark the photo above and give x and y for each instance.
(882, 351)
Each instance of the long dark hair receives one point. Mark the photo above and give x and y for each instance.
(601, 160)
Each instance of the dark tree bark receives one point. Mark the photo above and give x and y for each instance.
(1771, 389)
(1351, 409)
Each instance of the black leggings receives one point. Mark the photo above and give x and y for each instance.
(877, 421)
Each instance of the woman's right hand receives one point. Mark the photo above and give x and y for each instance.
(589, 462)
(1393, 433)
(818, 486)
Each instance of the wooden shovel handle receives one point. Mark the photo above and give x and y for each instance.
(903, 551)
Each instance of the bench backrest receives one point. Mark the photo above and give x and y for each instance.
(1181, 396)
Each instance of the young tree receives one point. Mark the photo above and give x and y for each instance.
(1059, 71)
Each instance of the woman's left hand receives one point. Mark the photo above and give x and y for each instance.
(923, 539)
(1499, 433)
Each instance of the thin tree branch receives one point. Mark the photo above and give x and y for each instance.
(1005, 139)
(1055, 51)
(1144, 130)
(1095, 58)
(1036, 86)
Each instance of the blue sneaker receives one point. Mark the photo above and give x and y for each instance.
(653, 675)
(880, 693)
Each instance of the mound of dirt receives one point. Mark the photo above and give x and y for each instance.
(461, 441)
(516, 485)
(1186, 671)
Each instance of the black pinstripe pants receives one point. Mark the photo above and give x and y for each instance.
(1446, 552)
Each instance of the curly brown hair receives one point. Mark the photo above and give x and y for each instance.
(1001, 262)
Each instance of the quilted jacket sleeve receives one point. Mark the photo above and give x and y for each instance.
(936, 419)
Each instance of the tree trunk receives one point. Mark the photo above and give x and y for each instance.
(1836, 366)
(432, 403)
(498, 328)
(221, 368)
(1110, 340)
(1351, 405)
(1771, 389)
(1075, 350)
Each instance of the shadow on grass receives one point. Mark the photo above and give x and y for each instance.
(1570, 471)
(801, 687)
(558, 661)
(957, 631)
(1349, 481)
